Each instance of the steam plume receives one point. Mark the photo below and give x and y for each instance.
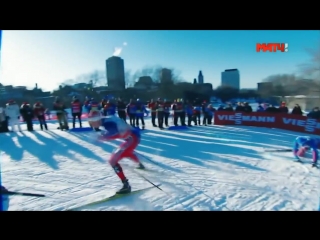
(117, 50)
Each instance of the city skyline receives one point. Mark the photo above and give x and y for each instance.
(51, 57)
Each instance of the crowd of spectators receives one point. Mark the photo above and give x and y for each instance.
(189, 113)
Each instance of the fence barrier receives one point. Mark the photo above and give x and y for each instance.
(289, 122)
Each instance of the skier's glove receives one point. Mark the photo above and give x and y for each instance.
(3, 189)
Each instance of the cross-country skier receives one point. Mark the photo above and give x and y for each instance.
(116, 128)
(302, 144)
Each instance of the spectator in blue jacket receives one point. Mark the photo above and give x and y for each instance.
(86, 104)
(260, 108)
(197, 114)
(189, 112)
(131, 110)
(140, 110)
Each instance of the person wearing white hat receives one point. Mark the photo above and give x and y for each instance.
(13, 114)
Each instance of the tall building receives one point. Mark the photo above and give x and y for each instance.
(230, 78)
(200, 78)
(115, 73)
(165, 75)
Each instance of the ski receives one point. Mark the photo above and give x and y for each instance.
(312, 165)
(113, 197)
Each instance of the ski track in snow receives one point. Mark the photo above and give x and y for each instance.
(202, 169)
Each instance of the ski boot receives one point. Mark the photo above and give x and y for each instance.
(126, 188)
(314, 165)
(141, 166)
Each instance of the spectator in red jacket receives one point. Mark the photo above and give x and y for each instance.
(76, 111)
(39, 112)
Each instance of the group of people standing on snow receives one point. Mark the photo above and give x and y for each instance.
(160, 109)
(11, 115)
(162, 112)
(264, 107)
(186, 112)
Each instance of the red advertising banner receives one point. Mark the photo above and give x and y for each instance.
(282, 121)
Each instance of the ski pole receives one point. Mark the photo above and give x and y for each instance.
(148, 159)
(26, 194)
(149, 181)
(278, 150)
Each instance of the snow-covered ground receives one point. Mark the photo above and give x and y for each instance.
(204, 168)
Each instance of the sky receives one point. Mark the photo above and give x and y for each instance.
(50, 57)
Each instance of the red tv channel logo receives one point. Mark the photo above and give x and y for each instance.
(272, 47)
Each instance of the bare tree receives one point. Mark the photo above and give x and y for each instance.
(151, 71)
(311, 70)
(68, 82)
(98, 78)
(289, 84)
(281, 79)
(155, 73)
(129, 78)
(176, 76)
